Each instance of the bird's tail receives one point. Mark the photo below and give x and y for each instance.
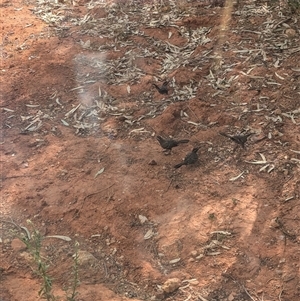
(156, 86)
(178, 165)
(159, 138)
(224, 134)
(183, 141)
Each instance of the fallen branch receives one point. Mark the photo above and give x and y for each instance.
(94, 193)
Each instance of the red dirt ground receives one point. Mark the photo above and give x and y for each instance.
(227, 227)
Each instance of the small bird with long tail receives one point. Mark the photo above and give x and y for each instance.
(239, 139)
(168, 143)
(190, 158)
(163, 89)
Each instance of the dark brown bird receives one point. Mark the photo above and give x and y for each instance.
(169, 143)
(190, 158)
(163, 89)
(239, 139)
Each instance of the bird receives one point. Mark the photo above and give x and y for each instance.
(169, 143)
(239, 139)
(163, 89)
(190, 158)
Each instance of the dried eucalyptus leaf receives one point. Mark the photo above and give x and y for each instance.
(237, 177)
(8, 110)
(99, 172)
(65, 238)
(149, 234)
(64, 122)
(143, 219)
(32, 106)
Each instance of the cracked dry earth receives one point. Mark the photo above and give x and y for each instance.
(79, 156)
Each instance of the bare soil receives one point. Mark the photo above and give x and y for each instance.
(79, 156)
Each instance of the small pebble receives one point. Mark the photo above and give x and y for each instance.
(171, 285)
(152, 162)
(18, 245)
(194, 253)
(291, 33)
